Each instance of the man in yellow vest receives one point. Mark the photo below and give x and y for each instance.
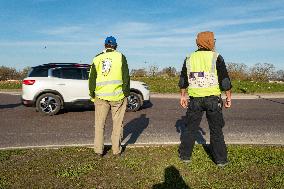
(204, 74)
(109, 85)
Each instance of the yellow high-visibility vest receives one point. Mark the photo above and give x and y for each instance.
(202, 74)
(109, 76)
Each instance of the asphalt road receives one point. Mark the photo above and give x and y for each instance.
(251, 121)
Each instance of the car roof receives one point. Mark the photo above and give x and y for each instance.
(55, 65)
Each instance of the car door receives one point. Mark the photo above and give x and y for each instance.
(71, 84)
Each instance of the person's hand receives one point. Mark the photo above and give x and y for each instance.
(228, 103)
(183, 102)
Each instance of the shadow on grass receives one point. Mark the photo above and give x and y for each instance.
(208, 150)
(173, 180)
(199, 136)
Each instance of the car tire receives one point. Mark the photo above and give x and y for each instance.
(134, 102)
(48, 104)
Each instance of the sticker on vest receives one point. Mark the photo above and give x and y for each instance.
(106, 66)
(202, 80)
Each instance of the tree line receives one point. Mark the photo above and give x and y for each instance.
(9, 73)
(237, 71)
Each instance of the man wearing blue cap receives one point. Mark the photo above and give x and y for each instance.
(109, 85)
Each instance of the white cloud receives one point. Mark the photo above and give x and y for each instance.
(62, 30)
(225, 23)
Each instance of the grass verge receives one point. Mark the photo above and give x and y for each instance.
(250, 166)
(10, 84)
(170, 85)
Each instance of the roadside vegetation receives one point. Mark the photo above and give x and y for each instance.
(260, 78)
(250, 166)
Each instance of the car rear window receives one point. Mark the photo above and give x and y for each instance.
(38, 72)
(71, 73)
(86, 73)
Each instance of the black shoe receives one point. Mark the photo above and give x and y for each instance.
(184, 159)
(222, 164)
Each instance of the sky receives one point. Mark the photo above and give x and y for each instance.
(149, 32)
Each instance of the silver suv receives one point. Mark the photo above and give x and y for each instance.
(52, 87)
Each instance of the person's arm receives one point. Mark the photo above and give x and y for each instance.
(224, 80)
(183, 84)
(125, 77)
(228, 101)
(92, 81)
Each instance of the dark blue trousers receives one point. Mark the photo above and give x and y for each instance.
(212, 105)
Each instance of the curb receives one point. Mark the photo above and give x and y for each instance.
(138, 145)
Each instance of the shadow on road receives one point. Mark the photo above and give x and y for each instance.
(134, 128)
(7, 106)
(181, 126)
(173, 180)
(90, 107)
(275, 101)
(147, 105)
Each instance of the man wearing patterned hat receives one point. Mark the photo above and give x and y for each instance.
(204, 74)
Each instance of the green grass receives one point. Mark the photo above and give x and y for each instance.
(170, 85)
(250, 166)
(161, 84)
(10, 84)
(256, 87)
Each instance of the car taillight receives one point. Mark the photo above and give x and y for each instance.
(28, 82)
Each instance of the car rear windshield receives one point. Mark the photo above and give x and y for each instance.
(68, 73)
(39, 72)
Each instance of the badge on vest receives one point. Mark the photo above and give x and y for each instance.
(202, 80)
(106, 66)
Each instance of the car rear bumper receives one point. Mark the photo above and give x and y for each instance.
(28, 103)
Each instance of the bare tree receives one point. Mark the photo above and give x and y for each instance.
(169, 71)
(262, 72)
(153, 70)
(138, 72)
(237, 71)
(24, 73)
(279, 75)
(7, 73)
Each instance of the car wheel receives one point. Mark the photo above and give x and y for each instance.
(48, 104)
(134, 102)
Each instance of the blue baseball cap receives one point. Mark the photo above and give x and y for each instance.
(110, 41)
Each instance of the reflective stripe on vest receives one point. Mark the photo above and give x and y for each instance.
(109, 94)
(109, 82)
(202, 74)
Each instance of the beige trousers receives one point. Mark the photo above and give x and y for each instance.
(102, 108)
